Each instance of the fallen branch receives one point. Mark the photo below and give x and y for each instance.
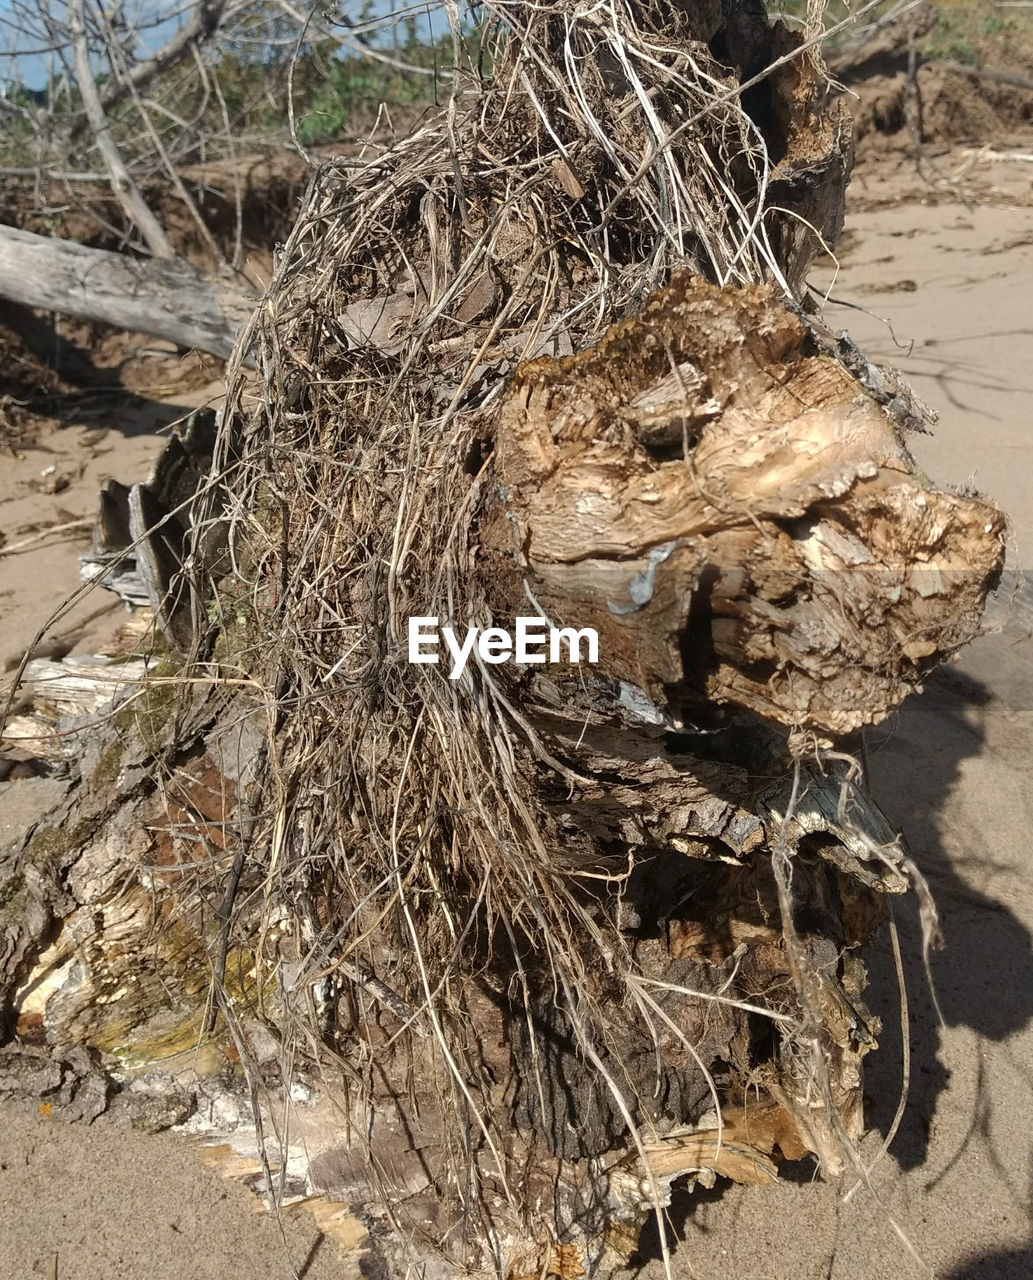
(27, 544)
(988, 154)
(165, 299)
(990, 75)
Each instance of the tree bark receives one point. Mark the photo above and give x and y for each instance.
(714, 494)
(165, 299)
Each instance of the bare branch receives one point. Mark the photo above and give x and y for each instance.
(990, 74)
(205, 20)
(13, 110)
(127, 193)
(349, 41)
(118, 63)
(57, 175)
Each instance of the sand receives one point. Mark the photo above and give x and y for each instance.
(111, 1205)
(73, 458)
(947, 293)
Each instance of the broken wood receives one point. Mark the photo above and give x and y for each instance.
(550, 926)
(709, 491)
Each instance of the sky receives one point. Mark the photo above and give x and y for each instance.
(22, 33)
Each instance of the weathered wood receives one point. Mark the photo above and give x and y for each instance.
(70, 876)
(141, 539)
(735, 514)
(163, 299)
(79, 685)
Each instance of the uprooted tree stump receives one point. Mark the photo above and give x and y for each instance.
(550, 936)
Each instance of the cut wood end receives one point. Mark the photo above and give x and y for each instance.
(735, 515)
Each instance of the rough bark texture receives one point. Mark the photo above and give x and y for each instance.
(738, 518)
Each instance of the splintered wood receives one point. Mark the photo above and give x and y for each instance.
(735, 514)
(544, 938)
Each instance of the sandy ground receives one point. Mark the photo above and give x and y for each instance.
(48, 500)
(945, 289)
(104, 1204)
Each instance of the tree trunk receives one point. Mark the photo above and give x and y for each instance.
(163, 299)
(765, 572)
(551, 936)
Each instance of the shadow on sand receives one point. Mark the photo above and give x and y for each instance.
(96, 394)
(984, 975)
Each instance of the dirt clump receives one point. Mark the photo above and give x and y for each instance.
(245, 206)
(28, 383)
(935, 77)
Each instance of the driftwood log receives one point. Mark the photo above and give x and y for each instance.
(545, 938)
(162, 298)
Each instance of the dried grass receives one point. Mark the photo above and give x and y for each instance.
(403, 827)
